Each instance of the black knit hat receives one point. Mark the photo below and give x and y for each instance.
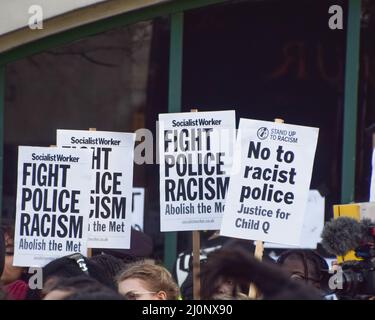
(76, 265)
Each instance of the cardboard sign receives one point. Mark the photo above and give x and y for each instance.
(196, 152)
(138, 208)
(111, 191)
(52, 204)
(312, 226)
(270, 181)
(367, 211)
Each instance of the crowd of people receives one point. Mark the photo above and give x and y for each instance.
(226, 274)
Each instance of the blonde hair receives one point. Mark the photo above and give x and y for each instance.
(156, 277)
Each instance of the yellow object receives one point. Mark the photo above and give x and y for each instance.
(350, 211)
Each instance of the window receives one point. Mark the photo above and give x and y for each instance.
(271, 59)
(114, 81)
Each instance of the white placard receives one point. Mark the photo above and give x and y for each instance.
(312, 226)
(52, 204)
(367, 210)
(111, 190)
(196, 152)
(138, 208)
(269, 185)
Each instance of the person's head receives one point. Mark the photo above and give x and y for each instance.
(242, 267)
(225, 286)
(303, 265)
(147, 282)
(62, 288)
(76, 265)
(110, 265)
(222, 286)
(10, 273)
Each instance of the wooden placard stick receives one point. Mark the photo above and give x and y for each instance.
(196, 265)
(259, 249)
(89, 250)
(258, 254)
(196, 259)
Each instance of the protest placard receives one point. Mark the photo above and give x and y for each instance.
(270, 181)
(196, 152)
(312, 225)
(111, 191)
(138, 208)
(52, 204)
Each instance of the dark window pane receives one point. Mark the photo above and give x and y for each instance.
(267, 60)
